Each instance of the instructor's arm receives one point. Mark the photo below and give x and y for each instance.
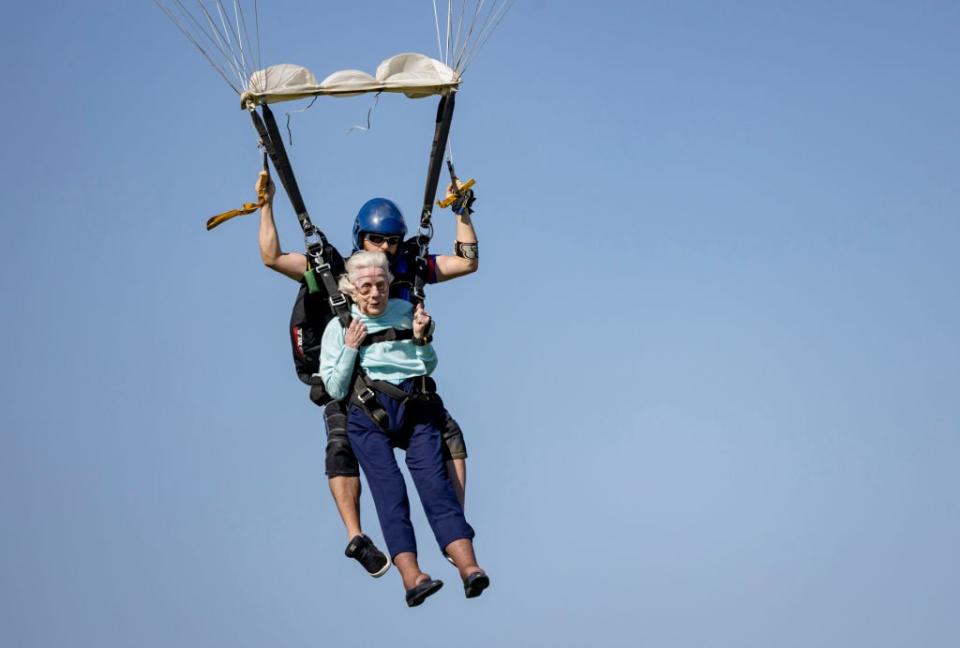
(288, 263)
(453, 266)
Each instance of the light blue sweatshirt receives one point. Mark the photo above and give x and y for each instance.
(391, 361)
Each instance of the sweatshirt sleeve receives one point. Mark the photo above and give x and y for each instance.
(336, 360)
(428, 356)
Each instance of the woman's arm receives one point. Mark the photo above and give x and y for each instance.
(338, 353)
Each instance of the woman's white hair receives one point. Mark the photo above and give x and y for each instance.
(361, 261)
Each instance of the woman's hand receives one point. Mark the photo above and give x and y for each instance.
(355, 334)
(421, 322)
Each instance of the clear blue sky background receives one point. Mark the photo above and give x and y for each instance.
(708, 370)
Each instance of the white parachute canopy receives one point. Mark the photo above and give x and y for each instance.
(414, 75)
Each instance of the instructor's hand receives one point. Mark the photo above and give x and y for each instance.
(355, 334)
(265, 184)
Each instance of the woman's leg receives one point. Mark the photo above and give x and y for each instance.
(375, 454)
(426, 464)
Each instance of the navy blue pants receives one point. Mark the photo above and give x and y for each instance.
(414, 427)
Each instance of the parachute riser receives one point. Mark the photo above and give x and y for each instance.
(272, 143)
(314, 240)
(440, 135)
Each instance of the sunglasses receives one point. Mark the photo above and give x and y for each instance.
(377, 239)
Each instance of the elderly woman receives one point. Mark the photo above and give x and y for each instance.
(391, 405)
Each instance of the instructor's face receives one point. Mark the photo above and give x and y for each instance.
(372, 291)
(386, 244)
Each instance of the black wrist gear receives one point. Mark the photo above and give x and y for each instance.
(467, 250)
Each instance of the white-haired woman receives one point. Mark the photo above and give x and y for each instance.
(390, 407)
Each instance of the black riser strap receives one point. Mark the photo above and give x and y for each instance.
(440, 134)
(282, 163)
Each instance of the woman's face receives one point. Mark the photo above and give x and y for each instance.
(372, 290)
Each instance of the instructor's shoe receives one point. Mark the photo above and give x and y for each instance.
(362, 549)
(475, 583)
(419, 593)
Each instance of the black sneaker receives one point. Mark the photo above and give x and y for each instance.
(362, 549)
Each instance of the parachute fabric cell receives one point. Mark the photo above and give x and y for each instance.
(414, 75)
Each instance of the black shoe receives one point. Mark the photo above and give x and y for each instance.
(419, 593)
(362, 549)
(475, 583)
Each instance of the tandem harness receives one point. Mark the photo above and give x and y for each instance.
(363, 393)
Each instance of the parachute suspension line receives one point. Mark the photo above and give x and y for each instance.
(242, 24)
(227, 47)
(256, 17)
(436, 22)
(466, 41)
(214, 36)
(221, 35)
(456, 40)
(196, 42)
(446, 54)
(495, 14)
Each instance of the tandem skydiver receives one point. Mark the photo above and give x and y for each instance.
(379, 226)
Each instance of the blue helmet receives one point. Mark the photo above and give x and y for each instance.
(378, 216)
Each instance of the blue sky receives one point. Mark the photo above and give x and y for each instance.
(708, 371)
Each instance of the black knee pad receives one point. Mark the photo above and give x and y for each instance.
(340, 460)
(454, 447)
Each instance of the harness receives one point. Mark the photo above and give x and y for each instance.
(364, 389)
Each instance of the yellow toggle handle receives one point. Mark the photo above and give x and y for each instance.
(248, 208)
(452, 198)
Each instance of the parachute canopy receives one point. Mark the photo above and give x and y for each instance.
(412, 74)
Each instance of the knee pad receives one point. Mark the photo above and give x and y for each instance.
(340, 460)
(454, 447)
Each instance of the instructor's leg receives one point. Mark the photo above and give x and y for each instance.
(346, 495)
(343, 473)
(455, 455)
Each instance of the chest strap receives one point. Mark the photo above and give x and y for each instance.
(387, 335)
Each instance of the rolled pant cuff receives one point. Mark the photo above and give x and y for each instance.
(446, 536)
(400, 550)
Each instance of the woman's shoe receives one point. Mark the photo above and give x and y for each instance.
(475, 583)
(419, 593)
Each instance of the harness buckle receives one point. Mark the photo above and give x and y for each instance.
(338, 301)
(366, 395)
